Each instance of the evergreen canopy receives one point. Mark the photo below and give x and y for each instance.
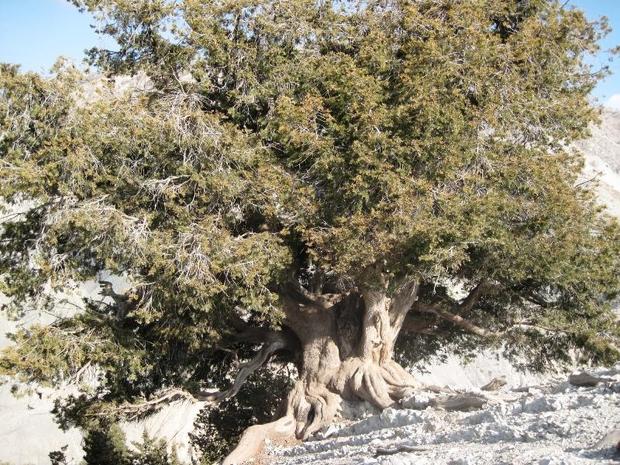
(392, 166)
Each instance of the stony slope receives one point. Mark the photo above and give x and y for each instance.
(551, 423)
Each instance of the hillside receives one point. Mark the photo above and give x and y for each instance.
(550, 423)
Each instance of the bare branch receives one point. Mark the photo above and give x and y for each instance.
(456, 319)
(137, 410)
(474, 296)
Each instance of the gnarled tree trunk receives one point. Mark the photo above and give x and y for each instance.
(347, 350)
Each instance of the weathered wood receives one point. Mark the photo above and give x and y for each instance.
(398, 449)
(584, 379)
(495, 384)
(461, 403)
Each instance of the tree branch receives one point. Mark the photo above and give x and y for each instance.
(403, 299)
(474, 296)
(295, 291)
(277, 342)
(413, 325)
(273, 341)
(447, 310)
(136, 410)
(458, 320)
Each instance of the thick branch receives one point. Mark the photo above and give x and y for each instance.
(295, 291)
(402, 301)
(419, 325)
(448, 310)
(272, 341)
(458, 320)
(474, 296)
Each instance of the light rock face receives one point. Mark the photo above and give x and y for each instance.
(174, 423)
(602, 160)
(502, 433)
(28, 432)
(471, 376)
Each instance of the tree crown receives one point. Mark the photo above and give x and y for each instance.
(340, 145)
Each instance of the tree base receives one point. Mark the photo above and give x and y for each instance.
(312, 405)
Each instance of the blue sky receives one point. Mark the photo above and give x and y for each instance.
(34, 33)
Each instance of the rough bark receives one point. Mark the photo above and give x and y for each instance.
(347, 346)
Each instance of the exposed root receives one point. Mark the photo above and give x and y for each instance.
(310, 406)
(381, 385)
(368, 384)
(313, 406)
(253, 439)
(323, 408)
(401, 382)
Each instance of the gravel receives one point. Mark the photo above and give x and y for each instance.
(554, 423)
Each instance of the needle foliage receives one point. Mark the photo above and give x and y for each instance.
(261, 141)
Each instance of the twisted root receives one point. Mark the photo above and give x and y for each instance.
(381, 385)
(311, 404)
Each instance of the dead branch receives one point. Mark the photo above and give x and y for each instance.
(584, 379)
(458, 320)
(474, 296)
(459, 403)
(398, 449)
(165, 397)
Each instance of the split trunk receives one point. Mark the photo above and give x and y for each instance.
(346, 353)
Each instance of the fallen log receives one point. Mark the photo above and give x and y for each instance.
(584, 379)
(462, 403)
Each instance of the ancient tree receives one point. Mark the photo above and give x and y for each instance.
(327, 184)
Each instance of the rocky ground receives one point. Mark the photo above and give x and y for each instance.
(555, 423)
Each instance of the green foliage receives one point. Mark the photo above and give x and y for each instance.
(278, 139)
(107, 446)
(153, 452)
(217, 428)
(58, 457)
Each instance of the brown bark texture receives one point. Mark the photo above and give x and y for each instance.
(346, 352)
